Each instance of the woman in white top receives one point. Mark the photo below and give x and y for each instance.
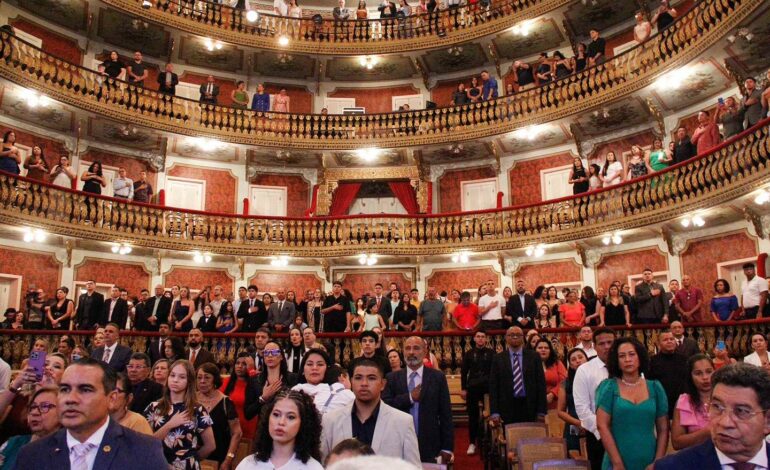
(612, 171)
(288, 436)
(328, 385)
(372, 319)
(760, 356)
(643, 28)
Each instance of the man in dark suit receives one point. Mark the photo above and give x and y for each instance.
(90, 306)
(517, 382)
(209, 91)
(141, 315)
(112, 353)
(196, 353)
(521, 307)
(156, 345)
(88, 434)
(115, 309)
(252, 314)
(423, 393)
(168, 80)
(739, 417)
(159, 307)
(281, 313)
(687, 347)
(382, 302)
(650, 298)
(145, 391)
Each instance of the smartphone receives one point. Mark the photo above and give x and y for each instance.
(721, 101)
(37, 362)
(721, 345)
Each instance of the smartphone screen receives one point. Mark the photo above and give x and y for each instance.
(721, 101)
(721, 345)
(37, 362)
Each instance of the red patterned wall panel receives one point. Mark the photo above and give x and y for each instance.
(524, 177)
(132, 165)
(450, 183)
(618, 40)
(226, 85)
(37, 269)
(462, 278)
(549, 272)
(360, 283)
(300, 99)
(375, 100)
(619, 146)
(690, 122)
(53, 43)
(270, 281)
(701, 257)
(221, 186)
(618, 266)
(198, 278)
(132, 277)
(52, 149)
(297, 190)
(441, 94)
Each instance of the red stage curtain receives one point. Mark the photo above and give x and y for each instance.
(310, 212)
(343, 198)
(404, 192)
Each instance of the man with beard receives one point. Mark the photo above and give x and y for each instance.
(474, 381)
(196, 354)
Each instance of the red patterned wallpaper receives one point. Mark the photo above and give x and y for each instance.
(35, 268)
(700, 258)
(198, 278)
(623, 144)
(462, 278)
(619, 39)
(300, 99)
(270, 281)
(449, 194)
(53, 43)
(130, 276)
(132, 165)
(360, 283)
(226, 85)
(618, 266)
(690, 122)
(442, 93)
(524, 177)
(549, 272)
(298, 191)
(221, 186)
(375, 100)
(52, 149)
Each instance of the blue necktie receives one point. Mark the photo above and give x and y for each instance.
(415, 410)
(518, 376)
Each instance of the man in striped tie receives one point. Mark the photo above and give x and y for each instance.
(517, 383)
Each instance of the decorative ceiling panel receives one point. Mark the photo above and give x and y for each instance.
(284, 65)
(196, 51)
(699, 81)
(283, 158)
(126, 135)
(599, 14)
(387, 68)
(388, 157)
(456, 152)
(72, 14)
(751, 57)
(196, 147)
(543, 35)
(616, 116)
(52, 115)
(455, 58)
(535, 138)
(132, 33)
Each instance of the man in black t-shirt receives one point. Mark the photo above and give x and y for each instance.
(252, 313)
(137, 70)
(596, 48)
(336, 310)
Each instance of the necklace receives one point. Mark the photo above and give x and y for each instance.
(631, 384)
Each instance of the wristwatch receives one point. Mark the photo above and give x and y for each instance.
(231, 455)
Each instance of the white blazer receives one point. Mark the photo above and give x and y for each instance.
(754, 359)
(394, 434)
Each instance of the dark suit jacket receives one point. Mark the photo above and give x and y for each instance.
(214, 93)
(501, 387)
(285, 317)
(164, 308)
(251, 406)
(141, 314)
(251, 321)
(118, 360)
(436, 431)
(207, 325)
(385, 309)
(688, 348)
(88, 320)
(119, 313)
(154, 352)
(703, 456)
(513, 308)
(145, 392)
(171, 89)
(203, 357)
(120, 449)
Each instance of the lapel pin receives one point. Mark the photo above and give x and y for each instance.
(106, 448)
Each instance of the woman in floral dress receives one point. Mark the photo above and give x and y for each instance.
(180, 421)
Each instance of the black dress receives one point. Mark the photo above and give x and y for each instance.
(92, 187)
(590, 305)
(222, 413)
(562, 71)
(582, 186)
(580, 64)
(614, 315)
(58, 312)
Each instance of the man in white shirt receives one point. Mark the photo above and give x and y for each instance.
(217, 300)
(586, 342)
(122, 186)
(754, 295)
(5, 375)
(739, 420)
(491, 307)
(587, 379)
(89, 439)
(280, 7)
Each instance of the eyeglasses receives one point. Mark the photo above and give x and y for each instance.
(272, 352)
(741, 413)
(41, 408)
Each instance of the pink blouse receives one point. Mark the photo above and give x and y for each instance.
(691, 419)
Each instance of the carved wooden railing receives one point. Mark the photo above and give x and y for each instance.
(448, 346)
(323, 35)
(733, 169)
(691, 35)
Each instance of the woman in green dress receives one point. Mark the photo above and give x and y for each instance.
(659, 157)
(43, 420)
(631, 411)
(239, 96)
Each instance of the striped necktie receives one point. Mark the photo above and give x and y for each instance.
(518, 376)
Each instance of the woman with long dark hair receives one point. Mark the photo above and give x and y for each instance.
(179, 421)
(173, 349)
(10, 157)
(60, 311)
(225, 424)
(555, 372)
(591, 304)
(93, 179)
(328, 393)
(405, 316)
(36, 165)
(295, 350)
(690, 425)
(274, 377)
(578, 177)
(289, 435)
(565, 405)
(226, 319)
(183, 312)
(612, 170)
(235, 388)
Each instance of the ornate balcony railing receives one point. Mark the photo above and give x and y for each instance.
(733, 169)
(448, 346)
(324, 35)
(692, 34)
